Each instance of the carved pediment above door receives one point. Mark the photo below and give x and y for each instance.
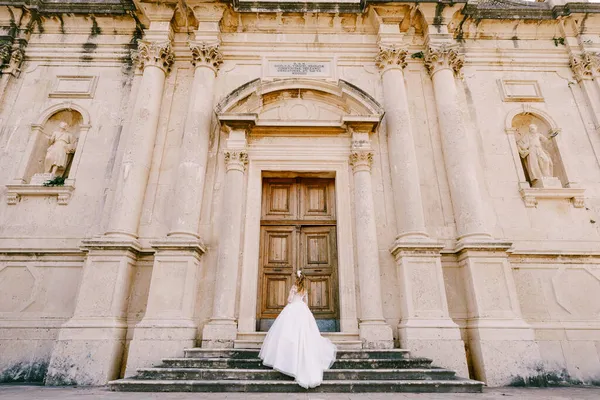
(300, 103)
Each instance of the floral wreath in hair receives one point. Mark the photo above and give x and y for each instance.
(299, 273)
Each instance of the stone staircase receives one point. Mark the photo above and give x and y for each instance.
(240, 370)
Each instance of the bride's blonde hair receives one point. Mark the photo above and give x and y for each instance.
(300, 282)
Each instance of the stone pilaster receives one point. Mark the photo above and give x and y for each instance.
(408, 204)
(484, 261)
(221, 331)
(90, 345)
(586, 69)
(374, 331)
(425, 328)
(443, 62)
(189, 188)
(155, 58)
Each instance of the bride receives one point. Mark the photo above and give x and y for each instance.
(294, 345)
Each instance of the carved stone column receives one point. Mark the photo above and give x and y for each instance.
(497, 333)
(443, 62)
(187, 202)
(168, 325)
(586, 68)
(404, 169)
(221, 331)
(90, 346)
(155, 58)
(425, 328)
(374, 331)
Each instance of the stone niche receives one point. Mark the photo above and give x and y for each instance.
(535, 142)
(49, 165)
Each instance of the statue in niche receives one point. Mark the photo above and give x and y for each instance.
(537, 159)
(62, 144)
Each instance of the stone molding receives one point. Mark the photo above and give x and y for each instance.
(16, 192)
(531, 196)
(157, 54)
(444, 56)
(361, 160)
(236, 160)
(585, 65)
(178, 245)
(391, 57)
(206, 55)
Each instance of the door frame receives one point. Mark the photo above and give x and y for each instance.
(331, 161)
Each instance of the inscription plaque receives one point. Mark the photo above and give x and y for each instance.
(299, 68)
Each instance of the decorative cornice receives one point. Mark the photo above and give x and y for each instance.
(585, 66)
(444, 56)
(391, 57)
(156, 54)
(236, 160)
(208, 55)
(361, 160)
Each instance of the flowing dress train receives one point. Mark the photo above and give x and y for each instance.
(294, 346)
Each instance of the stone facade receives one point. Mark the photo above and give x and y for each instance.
(464, 139)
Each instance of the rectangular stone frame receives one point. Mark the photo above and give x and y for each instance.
(298, 160)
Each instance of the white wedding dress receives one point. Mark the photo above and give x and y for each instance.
(294, 345)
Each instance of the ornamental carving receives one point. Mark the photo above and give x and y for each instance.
(586, 65)
(361, 160)
(444, 56)
(390, 57)
(11, 58)
(209, 55)
(236, 159)
(157, 54)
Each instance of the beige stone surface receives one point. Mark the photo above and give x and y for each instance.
(445, 243)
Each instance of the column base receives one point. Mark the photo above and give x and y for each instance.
(376, 335)
(437, 339)
(502, 345)
(87, 353)
(154, 340)
(503, 352)
(219, 334)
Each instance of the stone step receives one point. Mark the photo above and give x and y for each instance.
(333, 386)
(269, 374)
(251, 353)
(254, 340)
(255, 363)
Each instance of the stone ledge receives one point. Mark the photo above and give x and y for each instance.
(532, 195)
(15, 192)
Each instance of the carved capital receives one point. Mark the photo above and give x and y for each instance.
(208, 55)
(443, 56)
(361, 160)
(236, 160)
(585, 66)
(156, 54)
(11, 58)
(391, 57)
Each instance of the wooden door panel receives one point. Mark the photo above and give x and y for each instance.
(277, 265)
(320, 294)
(317, 200)
(318, 262)
(280, 199)
(277, 287)
(298, 232)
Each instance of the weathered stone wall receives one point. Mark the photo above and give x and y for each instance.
(83, 63)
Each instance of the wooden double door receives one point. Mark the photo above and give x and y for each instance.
(298, 232)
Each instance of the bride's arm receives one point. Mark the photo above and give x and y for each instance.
(305, 297)
(293, 291)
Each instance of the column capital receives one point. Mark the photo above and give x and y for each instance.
(155, 53)
(11, 58)
(391, 56)
(206, 55)
(236, 160)
(585, 65)
(443, 56)
(361, 160)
